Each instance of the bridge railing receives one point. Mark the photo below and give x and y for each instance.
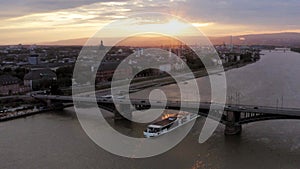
(176, 103)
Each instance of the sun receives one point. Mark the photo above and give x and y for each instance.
(173, 27)
(151, 24)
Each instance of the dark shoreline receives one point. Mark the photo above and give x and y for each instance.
(22, 115)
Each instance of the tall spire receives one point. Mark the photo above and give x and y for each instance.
(101, 45)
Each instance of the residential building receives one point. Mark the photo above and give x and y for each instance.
(108, 69)
(39, 79)
(10, 85)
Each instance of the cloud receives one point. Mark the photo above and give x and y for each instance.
(259, 12)
(248, 12)
(74, 22)
(93, 15)
(24, 7)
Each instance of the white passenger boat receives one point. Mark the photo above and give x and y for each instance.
(169, 123)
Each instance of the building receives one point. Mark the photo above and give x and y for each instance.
(101, 47)
(33, 59)
(39, 79)
(107, 70)
(282, 49)
(10, 85)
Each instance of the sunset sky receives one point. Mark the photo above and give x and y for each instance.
(35, 21)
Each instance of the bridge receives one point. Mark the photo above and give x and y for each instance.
(233, 116)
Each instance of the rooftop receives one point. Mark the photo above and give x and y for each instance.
(8, 79)
(39, 74)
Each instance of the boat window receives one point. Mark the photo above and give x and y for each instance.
(153, 130)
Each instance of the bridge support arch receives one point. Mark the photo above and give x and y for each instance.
(54, 105)
(232, 127)
(125, 109)
(48, 103)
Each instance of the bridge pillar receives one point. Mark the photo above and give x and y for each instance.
(54, 104)
(232, 128)
(125, 109)
(49, 103)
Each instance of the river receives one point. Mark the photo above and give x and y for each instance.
(56, 139)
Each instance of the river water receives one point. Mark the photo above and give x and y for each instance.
(56, 139)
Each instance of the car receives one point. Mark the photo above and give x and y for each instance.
(255, 107)
(121, 92)
(107, 96)
(228, 106)
(3, 110)
(111, 96)
(242, 108)
(120, 97)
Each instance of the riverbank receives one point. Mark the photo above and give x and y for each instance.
(163, 81)
(5, 116)
(200, 73)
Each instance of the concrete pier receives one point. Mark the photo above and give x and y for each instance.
(124, 114)
(232, 128)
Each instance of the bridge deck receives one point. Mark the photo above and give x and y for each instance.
(177, 104)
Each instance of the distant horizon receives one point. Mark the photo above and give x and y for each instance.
(81, 41)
